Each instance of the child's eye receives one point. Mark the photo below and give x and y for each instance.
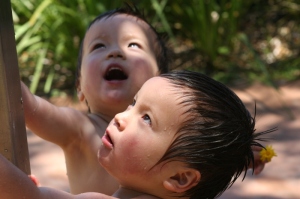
(134, 45)
(147, 119)
(133, 102)
(96, 46)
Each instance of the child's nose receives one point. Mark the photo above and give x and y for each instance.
(120, 121)
(116, 53)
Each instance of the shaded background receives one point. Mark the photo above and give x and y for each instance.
(234, 41)
(252, 46)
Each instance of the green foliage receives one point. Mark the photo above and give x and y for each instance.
(210, 26)
(231, 40)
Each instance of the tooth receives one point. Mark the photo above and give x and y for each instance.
(114, 68)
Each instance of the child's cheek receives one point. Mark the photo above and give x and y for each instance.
(93, 68)
(147, 68)
(91, 65)
(133, 157)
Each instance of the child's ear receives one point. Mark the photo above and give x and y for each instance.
(183, 180)
(80, 94)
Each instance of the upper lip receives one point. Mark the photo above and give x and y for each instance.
(107, 141)
(107, 134)
(115, 71)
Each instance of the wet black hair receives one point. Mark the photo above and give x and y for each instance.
(161, 53)
(216, 137)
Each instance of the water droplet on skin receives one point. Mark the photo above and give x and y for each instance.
(5, 150)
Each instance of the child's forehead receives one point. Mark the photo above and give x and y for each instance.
(114, 21)
(123, 25)
(161, 88)
(153, 82)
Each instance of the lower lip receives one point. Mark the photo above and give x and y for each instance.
(115, 83)
(106, 142)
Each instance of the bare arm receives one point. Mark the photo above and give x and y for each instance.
(59, 125)
(15, 184)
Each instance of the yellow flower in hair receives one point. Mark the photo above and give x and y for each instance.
(267, 154)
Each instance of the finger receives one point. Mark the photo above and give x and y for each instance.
(34, 180)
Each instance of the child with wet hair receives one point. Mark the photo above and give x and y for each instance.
(185, 135)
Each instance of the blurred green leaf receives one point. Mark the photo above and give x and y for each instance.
(227, 39)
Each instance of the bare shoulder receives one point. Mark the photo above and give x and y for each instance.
(87, 132)
(93, 195)
(49, 193)
(123, 192)
(146, 197)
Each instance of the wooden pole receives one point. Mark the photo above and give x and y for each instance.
(13, 139)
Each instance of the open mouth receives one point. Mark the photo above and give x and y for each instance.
(115, 73)
(107, 142)
(109, 139)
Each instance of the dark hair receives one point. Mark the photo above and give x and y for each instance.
(162, 52)
(216, 137)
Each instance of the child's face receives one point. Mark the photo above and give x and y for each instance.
(118, 57)
(137, 139)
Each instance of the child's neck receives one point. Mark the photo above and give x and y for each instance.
(125, 193)
(105, 118)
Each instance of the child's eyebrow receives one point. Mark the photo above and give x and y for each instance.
(149, 108)
(132, 35)
(129, 36)
(154, 118)
(95, 38)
